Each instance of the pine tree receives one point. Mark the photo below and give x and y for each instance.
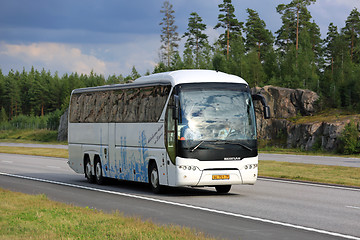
(303, 70)
(257, 36)
(236, 64)
(254, 72)
(316, 43)
(134, 74)
(231, 25)
(351, 32)
(331, 54)
(11, 97)
(295, 17)
(1, 89)
(169, 36)
(25, 85)
(3, 116)
(197, 43)
(306, 64)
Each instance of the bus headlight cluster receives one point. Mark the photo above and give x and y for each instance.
(250, 166)
(188, 167)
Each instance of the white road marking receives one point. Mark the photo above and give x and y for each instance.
(6, 161)
(188, 206)
(353, 207)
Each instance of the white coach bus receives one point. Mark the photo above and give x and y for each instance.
(180, 128)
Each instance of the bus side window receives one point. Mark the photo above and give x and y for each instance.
(170, 132)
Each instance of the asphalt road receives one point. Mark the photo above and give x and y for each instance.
(267, 210)
(308, 159)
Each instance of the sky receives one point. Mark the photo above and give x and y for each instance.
(111, 36)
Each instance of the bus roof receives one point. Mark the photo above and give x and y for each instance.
(171, 78)
(191, 76)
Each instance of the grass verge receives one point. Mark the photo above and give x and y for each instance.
(348, 176)
(47, 152)
(36, 217)
(29, 136)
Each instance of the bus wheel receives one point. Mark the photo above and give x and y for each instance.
(98, 173)
(154, 178)
(88, 174)
(223, 188)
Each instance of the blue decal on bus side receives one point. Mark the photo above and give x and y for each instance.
(141, 168)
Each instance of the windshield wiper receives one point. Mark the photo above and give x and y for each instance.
(197, 146)
(240, 144)
(236, 143)
(224, 142)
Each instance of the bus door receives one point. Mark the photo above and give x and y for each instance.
(170, 139)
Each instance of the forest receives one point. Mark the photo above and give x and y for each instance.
(295, 56)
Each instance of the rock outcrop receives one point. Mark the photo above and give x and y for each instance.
(63, 127)
(286, 105)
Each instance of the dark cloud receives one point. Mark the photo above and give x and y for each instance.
(94, 21)
(39, 20)
(122, 33)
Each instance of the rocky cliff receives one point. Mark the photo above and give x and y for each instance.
(63, 127)
(286, 106)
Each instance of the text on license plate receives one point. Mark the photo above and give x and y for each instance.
(220, 177)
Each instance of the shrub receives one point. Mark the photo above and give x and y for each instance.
(53, 120)
(349, 139)
(49, 121)
(3, 116)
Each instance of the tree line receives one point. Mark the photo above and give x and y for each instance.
(36, 93)
(295, 56)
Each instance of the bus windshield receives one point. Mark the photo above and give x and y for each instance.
(216, 112)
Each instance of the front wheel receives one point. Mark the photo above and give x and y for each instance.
(154, 178)
(223, 188)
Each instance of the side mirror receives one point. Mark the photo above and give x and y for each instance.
(259, 97)
(176, 107)
(266, 112)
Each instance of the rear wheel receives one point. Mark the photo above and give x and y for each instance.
(98, 173)
(223, 188)
(154, 178)
(88, 173)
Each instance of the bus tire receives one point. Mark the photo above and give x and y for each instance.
(223, 188)
(88, 171)
(99, 178)
(154, 178)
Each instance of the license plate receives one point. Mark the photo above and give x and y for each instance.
(220, 177)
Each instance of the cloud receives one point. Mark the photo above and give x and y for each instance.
(53, 56)
(347, 3)
(108, 58)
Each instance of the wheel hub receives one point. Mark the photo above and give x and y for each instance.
(154, 178)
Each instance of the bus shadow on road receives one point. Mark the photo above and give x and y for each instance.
(144, 188)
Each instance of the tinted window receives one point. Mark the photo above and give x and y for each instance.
(124, 105)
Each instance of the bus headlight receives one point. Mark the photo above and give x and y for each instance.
(250, 166)
(188, 167)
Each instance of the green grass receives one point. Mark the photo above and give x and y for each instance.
(297, 151)
(328, 115)
(29, 136)
(47, 152)
(25, 216)
(347, 176)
